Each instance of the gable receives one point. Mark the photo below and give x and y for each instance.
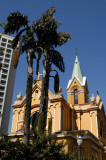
(75, 84)
(81, 83)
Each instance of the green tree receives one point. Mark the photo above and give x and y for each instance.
(44, 148)
(48, 38)
(24, 41)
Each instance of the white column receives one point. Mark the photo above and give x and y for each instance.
(54, 120)
(63, 117)
(97, 124)
(74, 120)
(91, 121)
(60, 120)
(79, 118)
(12, 121)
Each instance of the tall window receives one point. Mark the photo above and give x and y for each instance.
(75, 96)
(34, 119)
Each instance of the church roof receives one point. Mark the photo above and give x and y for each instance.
(77, 73)
(77, 70)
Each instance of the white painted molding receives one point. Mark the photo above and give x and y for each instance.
(91, 122)
(54, 121)
(86, 109)
(12, 122)
(60, 120)
(97, 125)
(15, 110)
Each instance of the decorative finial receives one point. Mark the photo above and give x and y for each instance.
(97, 92)
(93, 98)
(19, 97)
(38, 75)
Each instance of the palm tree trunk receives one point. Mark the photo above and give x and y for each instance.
(45, 87)
(28, 96)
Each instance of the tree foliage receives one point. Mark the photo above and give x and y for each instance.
(48, 38)
(45, 147)
(18, 23)
(15, 20)
(24, 41)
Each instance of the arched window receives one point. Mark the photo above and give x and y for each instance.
(75, 96)
(34, 119)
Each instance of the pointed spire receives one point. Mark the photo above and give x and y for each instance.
(77, 70)
(77, 73)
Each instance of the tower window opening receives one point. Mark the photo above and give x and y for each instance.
(75, 96)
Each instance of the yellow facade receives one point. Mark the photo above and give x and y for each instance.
(70, 119)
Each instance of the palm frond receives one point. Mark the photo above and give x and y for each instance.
(46, 29)
(63, 37)
(16, 39)
(29, 41)
(57, 59)
(15, 21)
(49, 12)
(2, 24)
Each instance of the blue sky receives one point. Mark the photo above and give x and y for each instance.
(85, 20)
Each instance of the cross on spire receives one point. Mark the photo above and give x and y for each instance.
(38, 75)
(76, 51)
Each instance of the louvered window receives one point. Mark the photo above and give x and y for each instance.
(75, 96)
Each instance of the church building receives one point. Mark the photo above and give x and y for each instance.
(75, 120)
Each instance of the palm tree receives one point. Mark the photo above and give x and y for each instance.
(23, 41)
(47, 40)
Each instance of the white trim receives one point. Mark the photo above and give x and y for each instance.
(14, 134)
(82, 83)
(79, 117)
(54, 121)
(86, 109)
(56, 104)
(20, 110)
(15, 110)
(60, 119)
(91, 122)
(17, 123)
(79, 91)
(12, 122)
(64, 135)
(83, 137)
(97, 125)
(74, 121)
(96, 121)
(63, 115)
(21, 121)
(93, 112)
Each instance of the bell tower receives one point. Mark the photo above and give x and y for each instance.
(77, 89)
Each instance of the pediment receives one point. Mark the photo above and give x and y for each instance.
(36, 95)
(75, 83)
